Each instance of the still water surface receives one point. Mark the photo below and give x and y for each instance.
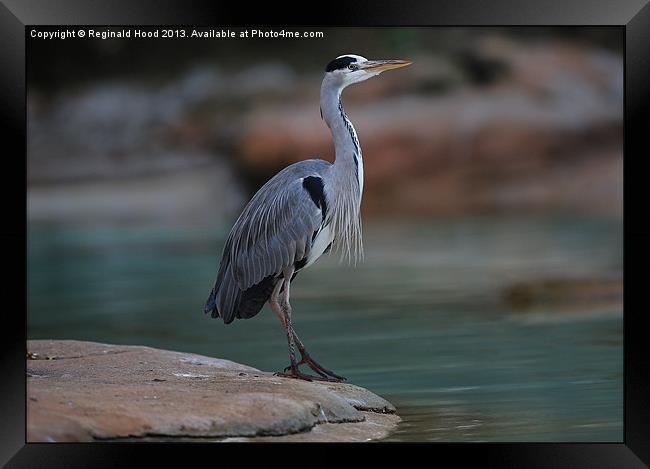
(421, 322)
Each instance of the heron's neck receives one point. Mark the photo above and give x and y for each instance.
(345, 185)
(349, 161)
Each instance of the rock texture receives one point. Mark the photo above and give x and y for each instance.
(86, 391)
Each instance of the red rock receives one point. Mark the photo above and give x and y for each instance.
(85, 391)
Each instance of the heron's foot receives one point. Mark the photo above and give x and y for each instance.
(295, 374)
(329, 375)
(306, 377)
(325, 374)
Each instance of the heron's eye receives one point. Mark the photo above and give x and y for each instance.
(353, 67)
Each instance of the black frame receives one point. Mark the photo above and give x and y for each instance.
(633, 16)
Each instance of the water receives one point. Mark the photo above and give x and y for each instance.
(421, 322)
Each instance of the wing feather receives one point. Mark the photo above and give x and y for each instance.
(274, 231)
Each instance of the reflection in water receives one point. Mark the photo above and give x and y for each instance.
(422, 321)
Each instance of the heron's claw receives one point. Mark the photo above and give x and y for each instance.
(296, 375)
(301, 362)
(324, 374)
(306, 377)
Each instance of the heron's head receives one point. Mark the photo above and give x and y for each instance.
(349, 68)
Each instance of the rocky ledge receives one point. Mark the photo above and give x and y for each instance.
(87, 391)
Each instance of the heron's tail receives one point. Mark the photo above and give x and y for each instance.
(228, 302)
(225, 296)
(211, 304)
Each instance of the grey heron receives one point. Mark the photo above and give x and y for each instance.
(296, 217)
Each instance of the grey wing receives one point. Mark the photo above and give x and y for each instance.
(274, 231)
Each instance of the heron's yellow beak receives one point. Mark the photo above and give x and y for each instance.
(383, 65)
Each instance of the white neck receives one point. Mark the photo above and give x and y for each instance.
(349, 158)
(345, 184)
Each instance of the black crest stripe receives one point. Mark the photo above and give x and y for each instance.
(339, 63)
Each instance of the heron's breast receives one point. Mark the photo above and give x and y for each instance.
(323, 239)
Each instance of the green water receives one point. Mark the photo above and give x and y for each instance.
(421, 322)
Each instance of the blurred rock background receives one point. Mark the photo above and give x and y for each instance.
(486, 121)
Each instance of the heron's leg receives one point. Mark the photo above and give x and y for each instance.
(277, 309)
(304, 356)
(286, 310)
(280, 306)
(283, 311)
(275, 303)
